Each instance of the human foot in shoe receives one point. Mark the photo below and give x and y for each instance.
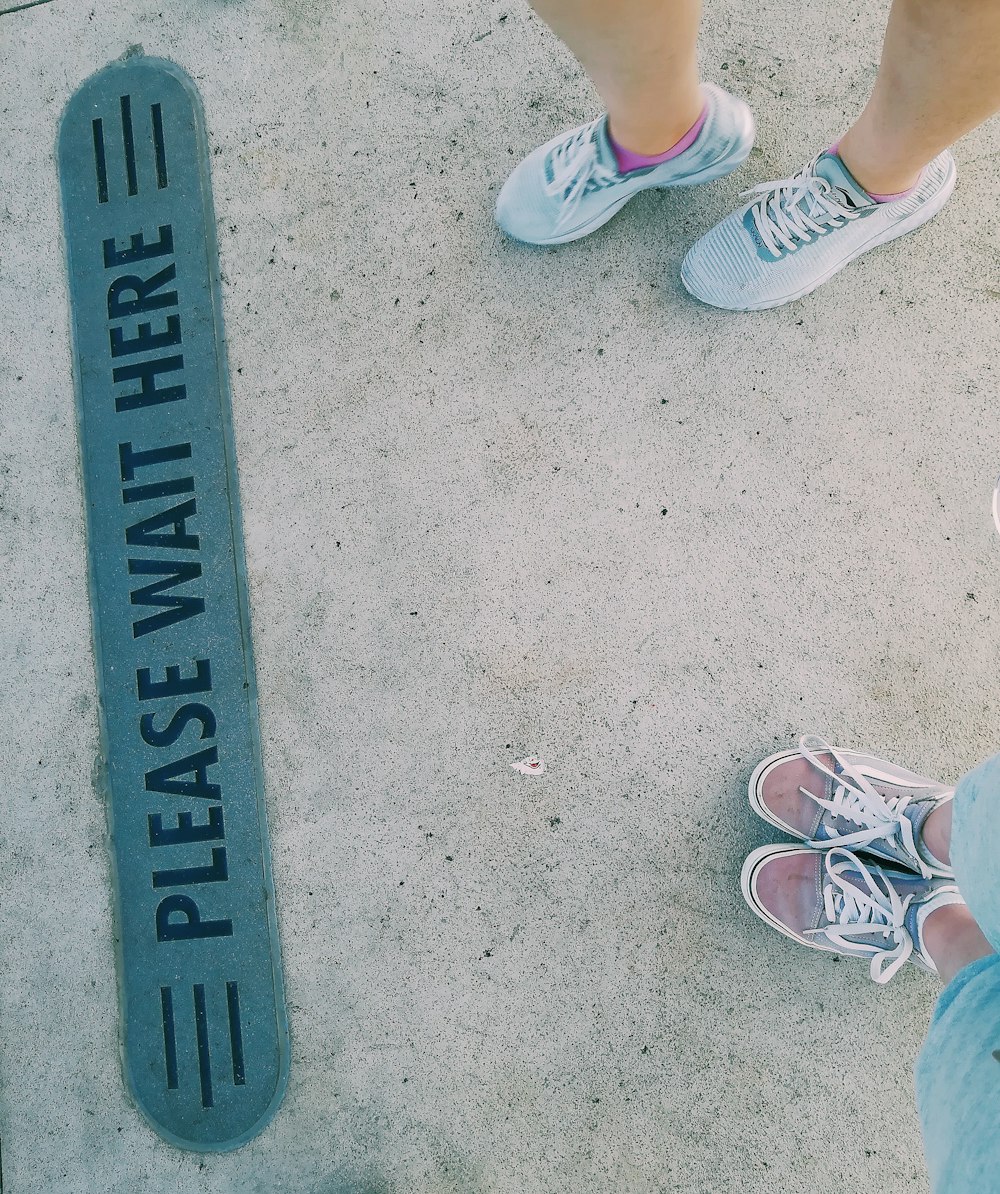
(797, 232)
(833, 901)
(826, 797)
(571, 185)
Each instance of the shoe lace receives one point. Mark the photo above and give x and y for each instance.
(796, 210)
(854, 799)
(856, 912)
(577, 168)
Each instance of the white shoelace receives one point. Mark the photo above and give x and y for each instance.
(575, 164)
(794, 211)
(855, 913)
(855, 799)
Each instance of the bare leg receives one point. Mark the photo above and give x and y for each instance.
(951, 935)
(936, 833)
(641, 56)
(953, 939)
(939, 79)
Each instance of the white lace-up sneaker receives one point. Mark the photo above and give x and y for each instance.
(571, 185)
(796, 233)
(833, 901)
(826, 797)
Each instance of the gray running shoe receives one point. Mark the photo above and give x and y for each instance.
(826, 797)
(835, 902)
(571, 185)
(797, 232)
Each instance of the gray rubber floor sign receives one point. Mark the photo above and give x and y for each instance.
(204, 1033)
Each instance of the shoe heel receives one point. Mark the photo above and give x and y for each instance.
(734, 157)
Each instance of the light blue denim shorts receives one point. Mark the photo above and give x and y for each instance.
(958, 1072)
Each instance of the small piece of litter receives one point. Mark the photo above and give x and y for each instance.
(996, 507)
(530, 766)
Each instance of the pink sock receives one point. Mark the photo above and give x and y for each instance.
(835, 148)
(629, 161)
(890, 198)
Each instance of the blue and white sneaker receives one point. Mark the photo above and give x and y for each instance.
(799, 231)
(571, 185)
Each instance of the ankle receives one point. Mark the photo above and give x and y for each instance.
(641, 135)
(876, 173)
(628, 160)
(935, 833)
(952, 939)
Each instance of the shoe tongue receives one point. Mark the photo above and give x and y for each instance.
(912, 921)
(830, 167)
(918, 812)
(905, 885)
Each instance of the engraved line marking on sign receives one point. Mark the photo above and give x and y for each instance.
(159, 147)
(128, 140)
(235, 1033)
(169, 1037)
(100, 162)
(204, 1056)
(200, 1001)
(5, 12)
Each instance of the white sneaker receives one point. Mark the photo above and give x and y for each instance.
(571, 185)
(799, 231)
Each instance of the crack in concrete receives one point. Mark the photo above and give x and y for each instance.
(21, 7)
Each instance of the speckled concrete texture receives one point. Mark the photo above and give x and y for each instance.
(501, 501)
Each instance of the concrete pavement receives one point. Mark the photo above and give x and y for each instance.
(501, 502)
